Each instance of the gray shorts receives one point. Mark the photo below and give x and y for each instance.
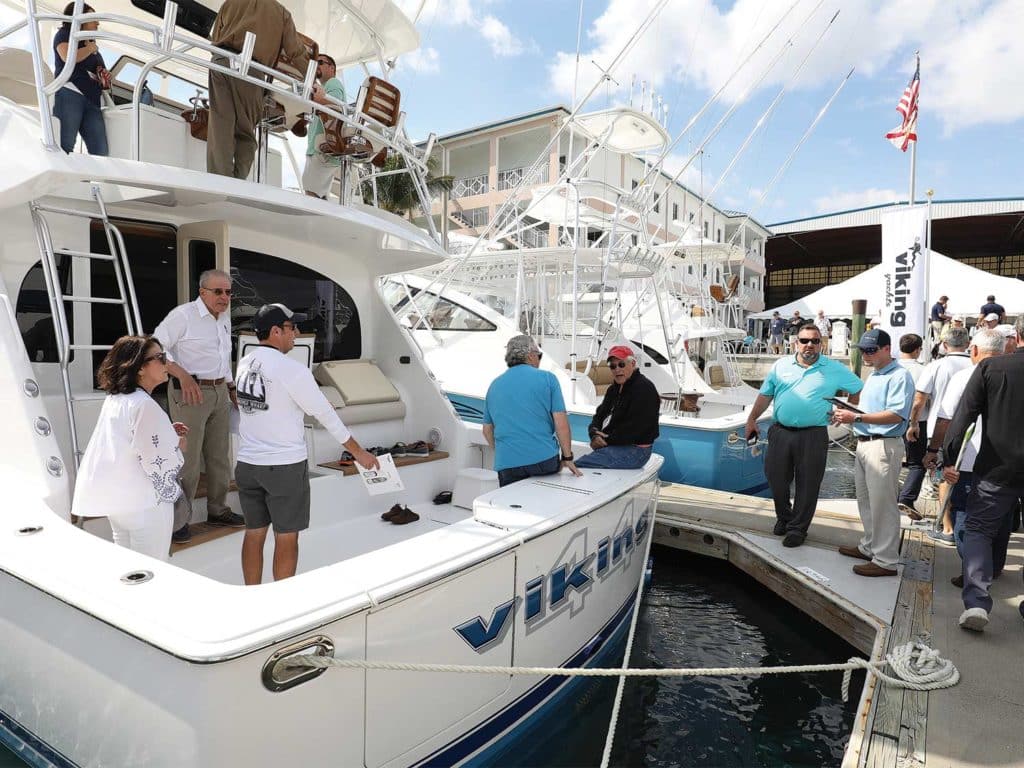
(274, 494)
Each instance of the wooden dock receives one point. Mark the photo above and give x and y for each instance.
(978, 722)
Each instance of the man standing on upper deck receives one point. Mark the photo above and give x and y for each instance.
(197, 339)
(938, 317)
(319, 173)
(886, 401)
(798, 440)
(235, 105)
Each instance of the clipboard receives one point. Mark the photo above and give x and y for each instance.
(843, 404)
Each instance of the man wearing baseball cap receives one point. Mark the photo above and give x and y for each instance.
(274, 394)
(625, 426)
(885, 401)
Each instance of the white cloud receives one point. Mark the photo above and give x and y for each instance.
(500, 37)
(971, 48)
(422, 60)
(466, 13)
(844, 201)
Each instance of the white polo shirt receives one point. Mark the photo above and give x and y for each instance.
(274, 393)
(936, 378)
(197, 341)
(947, 407)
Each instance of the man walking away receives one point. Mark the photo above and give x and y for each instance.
(197, 339)
(798, 438)
(776, 332)
(274, 394)
(886, 401)
(910, 352)
(824, 326)
(992, 307)
(995, 390)
(236, 107)
(524, 417)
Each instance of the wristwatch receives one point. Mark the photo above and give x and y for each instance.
(858, 418)
(568, 458)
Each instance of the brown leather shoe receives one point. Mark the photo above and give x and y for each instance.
(395, 510)
(405, 517)
(909, 511)
(853, 552)
(870, 569)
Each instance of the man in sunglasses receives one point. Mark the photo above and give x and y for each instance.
(886, 402)
(799, 386)
(625, 425)
(197, 339)
(319, 173)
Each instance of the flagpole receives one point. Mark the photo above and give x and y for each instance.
(913, 149)
(926, 331)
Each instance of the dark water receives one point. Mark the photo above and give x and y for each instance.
(8, 759)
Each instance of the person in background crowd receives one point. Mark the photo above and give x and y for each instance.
(991, 320)
(986, 343)
(910, 352)
(275, 392)
(798, 439)
(77, 104)
(938, 317)
(525, 421)
(197, 337)
(776, 332)
(129, 473)
(1010, 337)
(824, 326)
(237, 106)
(991, 307)
(956, 322)
(319, 173)
(795, 323)
(625, 425)
(886, 401)
(995, 390)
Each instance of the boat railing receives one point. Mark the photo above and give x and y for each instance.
(169, 43)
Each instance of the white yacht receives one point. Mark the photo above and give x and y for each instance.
(110, 657)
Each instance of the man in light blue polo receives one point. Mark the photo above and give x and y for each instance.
(885, 403)
(524, 417)
(798, 439)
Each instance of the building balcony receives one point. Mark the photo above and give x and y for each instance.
(469, 186)
(513, 177)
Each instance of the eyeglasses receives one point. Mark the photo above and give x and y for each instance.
(161, 356)
(869, 350)
(325, 62)
(219, 291)
(815, 342)
(621, 364)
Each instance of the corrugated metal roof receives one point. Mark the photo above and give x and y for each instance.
(872, 215)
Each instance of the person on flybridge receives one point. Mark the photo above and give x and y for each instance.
(274, 393)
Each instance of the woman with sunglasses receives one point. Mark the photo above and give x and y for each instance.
(77, 104)
(129, 473)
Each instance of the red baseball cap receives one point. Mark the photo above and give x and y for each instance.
(621, 352)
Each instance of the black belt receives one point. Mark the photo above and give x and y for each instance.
(795, 429)
(866, 438)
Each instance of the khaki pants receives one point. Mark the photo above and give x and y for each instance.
(235, 110)
(208, 439)
(877, 475)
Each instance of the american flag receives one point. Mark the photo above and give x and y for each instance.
(907, 132)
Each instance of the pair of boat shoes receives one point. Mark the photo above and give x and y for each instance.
(400, 515)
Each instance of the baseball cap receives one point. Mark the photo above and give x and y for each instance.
(269, 315)
(1006, 329)
(621, 352)
(876, 337)
(991, 316)
(958, 318)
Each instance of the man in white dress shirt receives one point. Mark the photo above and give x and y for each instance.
(274, 394)
(197, 339)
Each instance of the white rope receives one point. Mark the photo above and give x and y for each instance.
(914, 666)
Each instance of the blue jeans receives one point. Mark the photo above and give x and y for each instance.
(616, 457)
(79, 115)
(515, 474)
(987, 525)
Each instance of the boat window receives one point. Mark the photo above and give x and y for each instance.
(35, 320)
(441, 315)
(260, 279)
(192, 16)
(652, 353)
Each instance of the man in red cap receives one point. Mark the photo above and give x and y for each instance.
(626, 423)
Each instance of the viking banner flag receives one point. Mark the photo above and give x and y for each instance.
(904, 266)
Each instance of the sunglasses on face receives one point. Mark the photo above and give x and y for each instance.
(219, 291)
(621, 364)
(869, 350)
(540, 355)
(161, 356)
(815, 342)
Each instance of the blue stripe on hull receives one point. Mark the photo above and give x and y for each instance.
(700, 457)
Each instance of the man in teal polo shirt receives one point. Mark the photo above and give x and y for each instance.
(885, 404)
(320, 170)
(798, 439)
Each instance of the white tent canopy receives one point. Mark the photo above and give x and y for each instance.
(966, 287)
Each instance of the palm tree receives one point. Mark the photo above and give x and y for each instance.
(397, 193)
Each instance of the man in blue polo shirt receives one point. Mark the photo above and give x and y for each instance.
(524, 417)
(798, 440)
(885, 404)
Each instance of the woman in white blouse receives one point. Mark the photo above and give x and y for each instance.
(129, 473)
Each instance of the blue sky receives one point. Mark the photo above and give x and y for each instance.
(484, 60)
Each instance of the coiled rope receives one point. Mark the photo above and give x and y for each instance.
(914, 666)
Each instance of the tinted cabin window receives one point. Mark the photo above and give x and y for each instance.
(35, 320)
(259, 279)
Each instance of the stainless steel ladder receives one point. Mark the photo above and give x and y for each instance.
(118, 257)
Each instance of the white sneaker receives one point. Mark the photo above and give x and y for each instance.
(974, 619)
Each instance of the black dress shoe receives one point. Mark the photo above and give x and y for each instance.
(227, 519)
(182, 535)
(793, 539)
(780, 527)
(957, 581)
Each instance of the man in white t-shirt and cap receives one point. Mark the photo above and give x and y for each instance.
(274, 394)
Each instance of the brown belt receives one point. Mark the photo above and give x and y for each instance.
(866, 438)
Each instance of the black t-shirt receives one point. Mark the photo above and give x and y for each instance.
(84, 75)
(992, 307)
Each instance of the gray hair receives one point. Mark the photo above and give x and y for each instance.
(206, 275)
(957, 338)
(1019, 326)
(989, 341)
(518, 349)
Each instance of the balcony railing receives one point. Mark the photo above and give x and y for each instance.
(471, 185)
(512, 177)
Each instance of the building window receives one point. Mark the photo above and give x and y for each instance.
(35, 320)
(718, 235)
(706, 228)
(691, 217)
(657, 204)
(675, 211)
